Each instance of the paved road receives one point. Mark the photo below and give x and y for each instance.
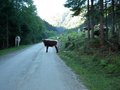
(33, 69)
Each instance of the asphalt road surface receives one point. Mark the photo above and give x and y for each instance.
(34, 69)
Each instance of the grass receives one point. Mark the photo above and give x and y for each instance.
(98, 70)
(92, 75)
(12, 49)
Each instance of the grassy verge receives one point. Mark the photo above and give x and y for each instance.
(9, 50)
(98, 69)
(93, 75)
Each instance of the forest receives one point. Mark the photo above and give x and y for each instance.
(102, 19)
(19, 17)
(92, 50)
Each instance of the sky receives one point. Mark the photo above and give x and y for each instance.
(47, 9)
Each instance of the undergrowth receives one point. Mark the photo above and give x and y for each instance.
(98, 67)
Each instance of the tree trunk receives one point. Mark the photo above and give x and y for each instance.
(118, 27)
(7, 32)
(88, 7)
(3, 44)
(102, 37)
(92, 19)
(106, 20)
(19, 28)
(113, 18)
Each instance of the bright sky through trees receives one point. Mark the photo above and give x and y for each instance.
(47, 9)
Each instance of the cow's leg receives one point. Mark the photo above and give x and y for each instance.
(46, 49)
(18, 43)
(56, 48)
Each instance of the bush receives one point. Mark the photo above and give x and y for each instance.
(99, 67)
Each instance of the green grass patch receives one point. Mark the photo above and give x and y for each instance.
(12, 49)
(91, 72)
(97, 67)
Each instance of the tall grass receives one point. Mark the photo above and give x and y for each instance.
(98, 69)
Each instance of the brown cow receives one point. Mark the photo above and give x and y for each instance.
(50, 43)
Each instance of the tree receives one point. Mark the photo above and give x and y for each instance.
(102, 36)
(19, 17)
(88, 18)
(92, 19)
(75, 6)
(113, 17)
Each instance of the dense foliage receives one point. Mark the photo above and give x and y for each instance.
(19, 17)
(97, 67)
(103, 12)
